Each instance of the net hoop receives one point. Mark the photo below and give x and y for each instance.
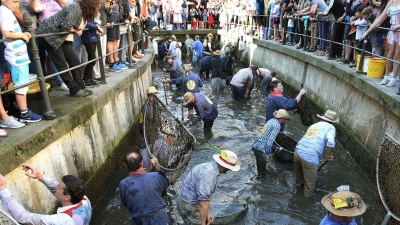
(6, 219)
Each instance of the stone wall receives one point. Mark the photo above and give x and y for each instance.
(366, 112)
(89, 140)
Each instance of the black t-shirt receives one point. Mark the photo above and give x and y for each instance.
(124, 10)
(285, 1)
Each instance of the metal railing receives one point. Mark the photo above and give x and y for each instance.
(48, 112)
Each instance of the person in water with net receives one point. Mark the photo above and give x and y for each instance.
(199, 185)
(141, 192)
(342, 207)
(151, 91)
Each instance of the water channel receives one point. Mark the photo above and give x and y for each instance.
(275, 200)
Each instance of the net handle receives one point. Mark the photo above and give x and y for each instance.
(377, 178)
(179, 122)
(9, 217)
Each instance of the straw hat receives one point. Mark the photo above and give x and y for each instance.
(187, 67)
(188, 97)
(152, 90)
(330, 116)
(210, 34)
(157, 38)
(227, 159)
(217, 52)
(179, 44)
(282, 114)
(358, 207)
(173, 37)
(227, 49)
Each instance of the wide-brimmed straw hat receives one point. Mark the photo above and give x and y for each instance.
(157, 38)
(210, 34)
(227, 159)
(217, 52)
(330, 116)
(227, 49)
(187, 67)
(173, 37)
(188, 97)
(152, 90)
(282, 114)
(344, 203)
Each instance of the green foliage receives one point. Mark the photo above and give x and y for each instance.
(210, 147)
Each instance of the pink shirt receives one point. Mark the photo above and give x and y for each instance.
(50, 7)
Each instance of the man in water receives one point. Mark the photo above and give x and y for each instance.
(70, 191)
(311, 147)
(151, 91)
(242, 83)
(205, 109)
(199, 185)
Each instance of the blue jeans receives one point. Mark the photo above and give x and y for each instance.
(195, 61)
(290, 31)
(124, 43)
(323, 35)
(270, 26)
(237, 92)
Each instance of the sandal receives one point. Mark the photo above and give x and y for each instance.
(88, 91)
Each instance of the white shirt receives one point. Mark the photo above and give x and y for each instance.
(155, 46)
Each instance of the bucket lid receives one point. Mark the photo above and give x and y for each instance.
(376, 58)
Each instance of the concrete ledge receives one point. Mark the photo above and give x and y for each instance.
(89, 136)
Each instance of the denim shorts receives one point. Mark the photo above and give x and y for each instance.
(20, 76)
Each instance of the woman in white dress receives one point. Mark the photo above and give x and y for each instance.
(177, 10)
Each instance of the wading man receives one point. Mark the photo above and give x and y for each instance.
(199, 185)
(263, 146)
(311, 147)
(70, 191)
(141, 192)
(242, 83)
(151, 91)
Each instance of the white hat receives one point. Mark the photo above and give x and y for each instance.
(330, 116)
(227, 159)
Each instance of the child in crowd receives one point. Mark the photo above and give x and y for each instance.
(204, 16)
(276, 20)
(17, 58)
(289, 16)
(195, 23)
(362, 27)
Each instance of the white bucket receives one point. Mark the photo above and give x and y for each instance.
(169, 26)
(189, 26)
(32, 77)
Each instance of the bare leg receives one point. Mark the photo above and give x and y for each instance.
(389, 64)
(3, 114)
(21, 101)
(396, 58)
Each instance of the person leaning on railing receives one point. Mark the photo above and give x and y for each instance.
(69, 19)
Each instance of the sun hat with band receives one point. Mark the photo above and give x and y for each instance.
(282, 114)
(344, 203)
(152, 90)
(227, 159)
(211, 35)
(330, 116)
(188, 97)
(187, 67)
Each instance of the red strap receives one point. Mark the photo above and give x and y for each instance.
(69, 211)
(223, 160)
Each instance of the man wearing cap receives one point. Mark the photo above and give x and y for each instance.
(175, 69)
(199, 185)
(151, 91)
(311, 147)
(276, 100)
(242, 83)
(141, 191)
(197, 52)
(342, 207)
(218, 77)
(191, 82)
(70, 191)
(263, 146)
(205, 109)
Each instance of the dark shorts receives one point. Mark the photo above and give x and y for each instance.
(113, 33)
(347, 36)
(260, 20)
(277, 20)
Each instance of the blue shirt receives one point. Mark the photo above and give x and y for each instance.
(206, 62)
(265, 141)
(200, 183)
(328, 220)
(135, 192)
(198, 48)
(204, 107)
(275, 103)
(260, 7)
(192, 82)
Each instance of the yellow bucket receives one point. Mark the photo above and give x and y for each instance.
(33, 88)
(376, 67)
(365, 64)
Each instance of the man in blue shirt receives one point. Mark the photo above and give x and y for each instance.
(191, 82)
(199, 185)
(197, 51)
(345, 213)
(141, 191)
(205, 109)
(263, 146)
(205, 65)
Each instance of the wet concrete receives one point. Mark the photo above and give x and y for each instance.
(273, 201)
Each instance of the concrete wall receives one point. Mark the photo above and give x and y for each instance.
(89, 141)
(366, 112)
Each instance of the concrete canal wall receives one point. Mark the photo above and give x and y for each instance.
(88, 139)
(367, 110)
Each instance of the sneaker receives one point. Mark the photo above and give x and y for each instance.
(30, 117)
(11, 123)
(134, 61)
(81, 93)
(115, 68)
(353, 29)
(351, 66)
(345, 61)
(392, 80)
(385, 79)
(321, 53)
(316, 52)
(91, 83)
(312, 49)
(63, 87)
(122, 66)
(137, 55)
(88, 91)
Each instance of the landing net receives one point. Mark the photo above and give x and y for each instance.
(388, 179)
(227, 213)
(167, 139)
(6, 219)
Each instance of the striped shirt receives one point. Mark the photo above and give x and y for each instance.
(265, 141)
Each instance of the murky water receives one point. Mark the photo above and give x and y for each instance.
(274, 201)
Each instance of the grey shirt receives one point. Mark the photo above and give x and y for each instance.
(176, 70)
(321, 8)
(24, 7)
(243, 78)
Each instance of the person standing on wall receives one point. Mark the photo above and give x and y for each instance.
(311, 147)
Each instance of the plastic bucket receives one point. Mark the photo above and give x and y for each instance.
(189, 26)
(169, 26)
(365, 64)
(376, 67)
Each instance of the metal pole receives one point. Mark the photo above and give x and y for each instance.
(361, 63)
(130, 49)
(251, 25)
(101, 63)
(227, 22)
(49, 113)
(387, 218)
(330, 56)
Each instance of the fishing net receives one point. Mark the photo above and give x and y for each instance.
(227, 213)
(167, 139)
(388, 179)
(6, 219)
(305, 111)
(288, 144)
